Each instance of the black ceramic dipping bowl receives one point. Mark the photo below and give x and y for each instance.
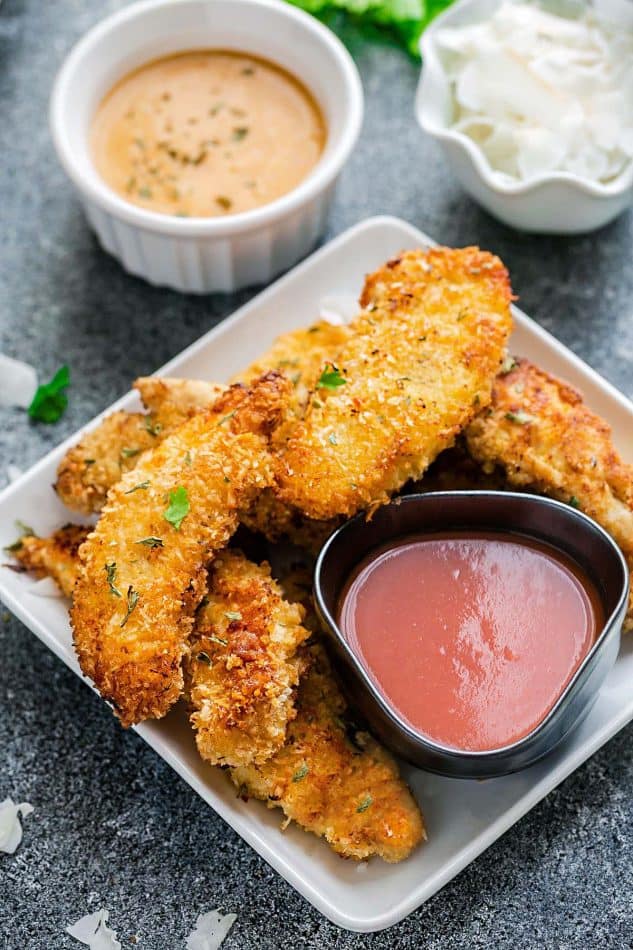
(529, 515)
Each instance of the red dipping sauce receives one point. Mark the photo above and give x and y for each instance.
(470, 636)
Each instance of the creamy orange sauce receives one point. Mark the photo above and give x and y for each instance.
(206, 133)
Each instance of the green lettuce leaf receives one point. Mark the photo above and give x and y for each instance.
(405, 20)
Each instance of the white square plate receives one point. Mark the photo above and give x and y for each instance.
(463, 818)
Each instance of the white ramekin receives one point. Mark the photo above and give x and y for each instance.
(200, 255)
(557, 203)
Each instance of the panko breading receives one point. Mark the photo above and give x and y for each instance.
(545, 438)
(333, 780)
(56, 556)
(420, 362)
(243, 666)
(280, 522)
(142, 577)
(455, 470)
(300, 355)
(90, 468)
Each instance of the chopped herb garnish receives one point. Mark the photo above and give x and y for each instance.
(224, 202)
(110, 570)
(521, 418)
(151, 542)
(89, 461)
(188, 459)
(138, 487)
(332, 439)
(233, 615)
(152, 427)
(240, 133)
(508, 365)
(228, 416)
(365, 803)
(178, 507)
(330, 378)
(219, 640)
(50, 401)
(204, 658)
(145, 192)
(129, 453)
(477, 399)
(573, 501)
(301, 773)
(25, 532)
(132, 601)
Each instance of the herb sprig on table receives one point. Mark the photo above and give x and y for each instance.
(50, 400)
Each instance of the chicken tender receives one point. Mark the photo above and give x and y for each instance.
(300, 355)
(56, 556)
(334, 780)
(243, 666)
(420, 362)
(144, 567)
(89, 469)
(545, 438)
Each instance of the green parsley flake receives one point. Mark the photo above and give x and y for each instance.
(573, 501)
(226, 418)
(365, 803)
(151, 542)
(508, 365)
(129, 453)
(301, 773)
(132, 601)
(521, 418)
(233, 615)
(25, 532)
(219, 640)
(332, 439)
(152, 427)
(139, 487)
(110, 570)
(203, 657)
(330, 378)
(50, 401)
(178, 507)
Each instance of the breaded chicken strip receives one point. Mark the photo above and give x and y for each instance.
(243, 667)
(333, 780)
(300, 355)
(456, 470)
(89, 469)
(419, 364)
(545, 438)
(56, 556)
(144, 566)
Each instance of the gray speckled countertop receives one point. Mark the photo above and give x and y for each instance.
(114, 826)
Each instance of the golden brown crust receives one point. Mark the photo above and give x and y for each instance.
(545, 438)
(220, 457)
(55, 556)
(419, 363)
(335, 781)
(90, 468)
(280, 522)
(243, 666)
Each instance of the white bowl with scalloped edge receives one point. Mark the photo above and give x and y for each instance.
(200, 255)
(555, 203)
